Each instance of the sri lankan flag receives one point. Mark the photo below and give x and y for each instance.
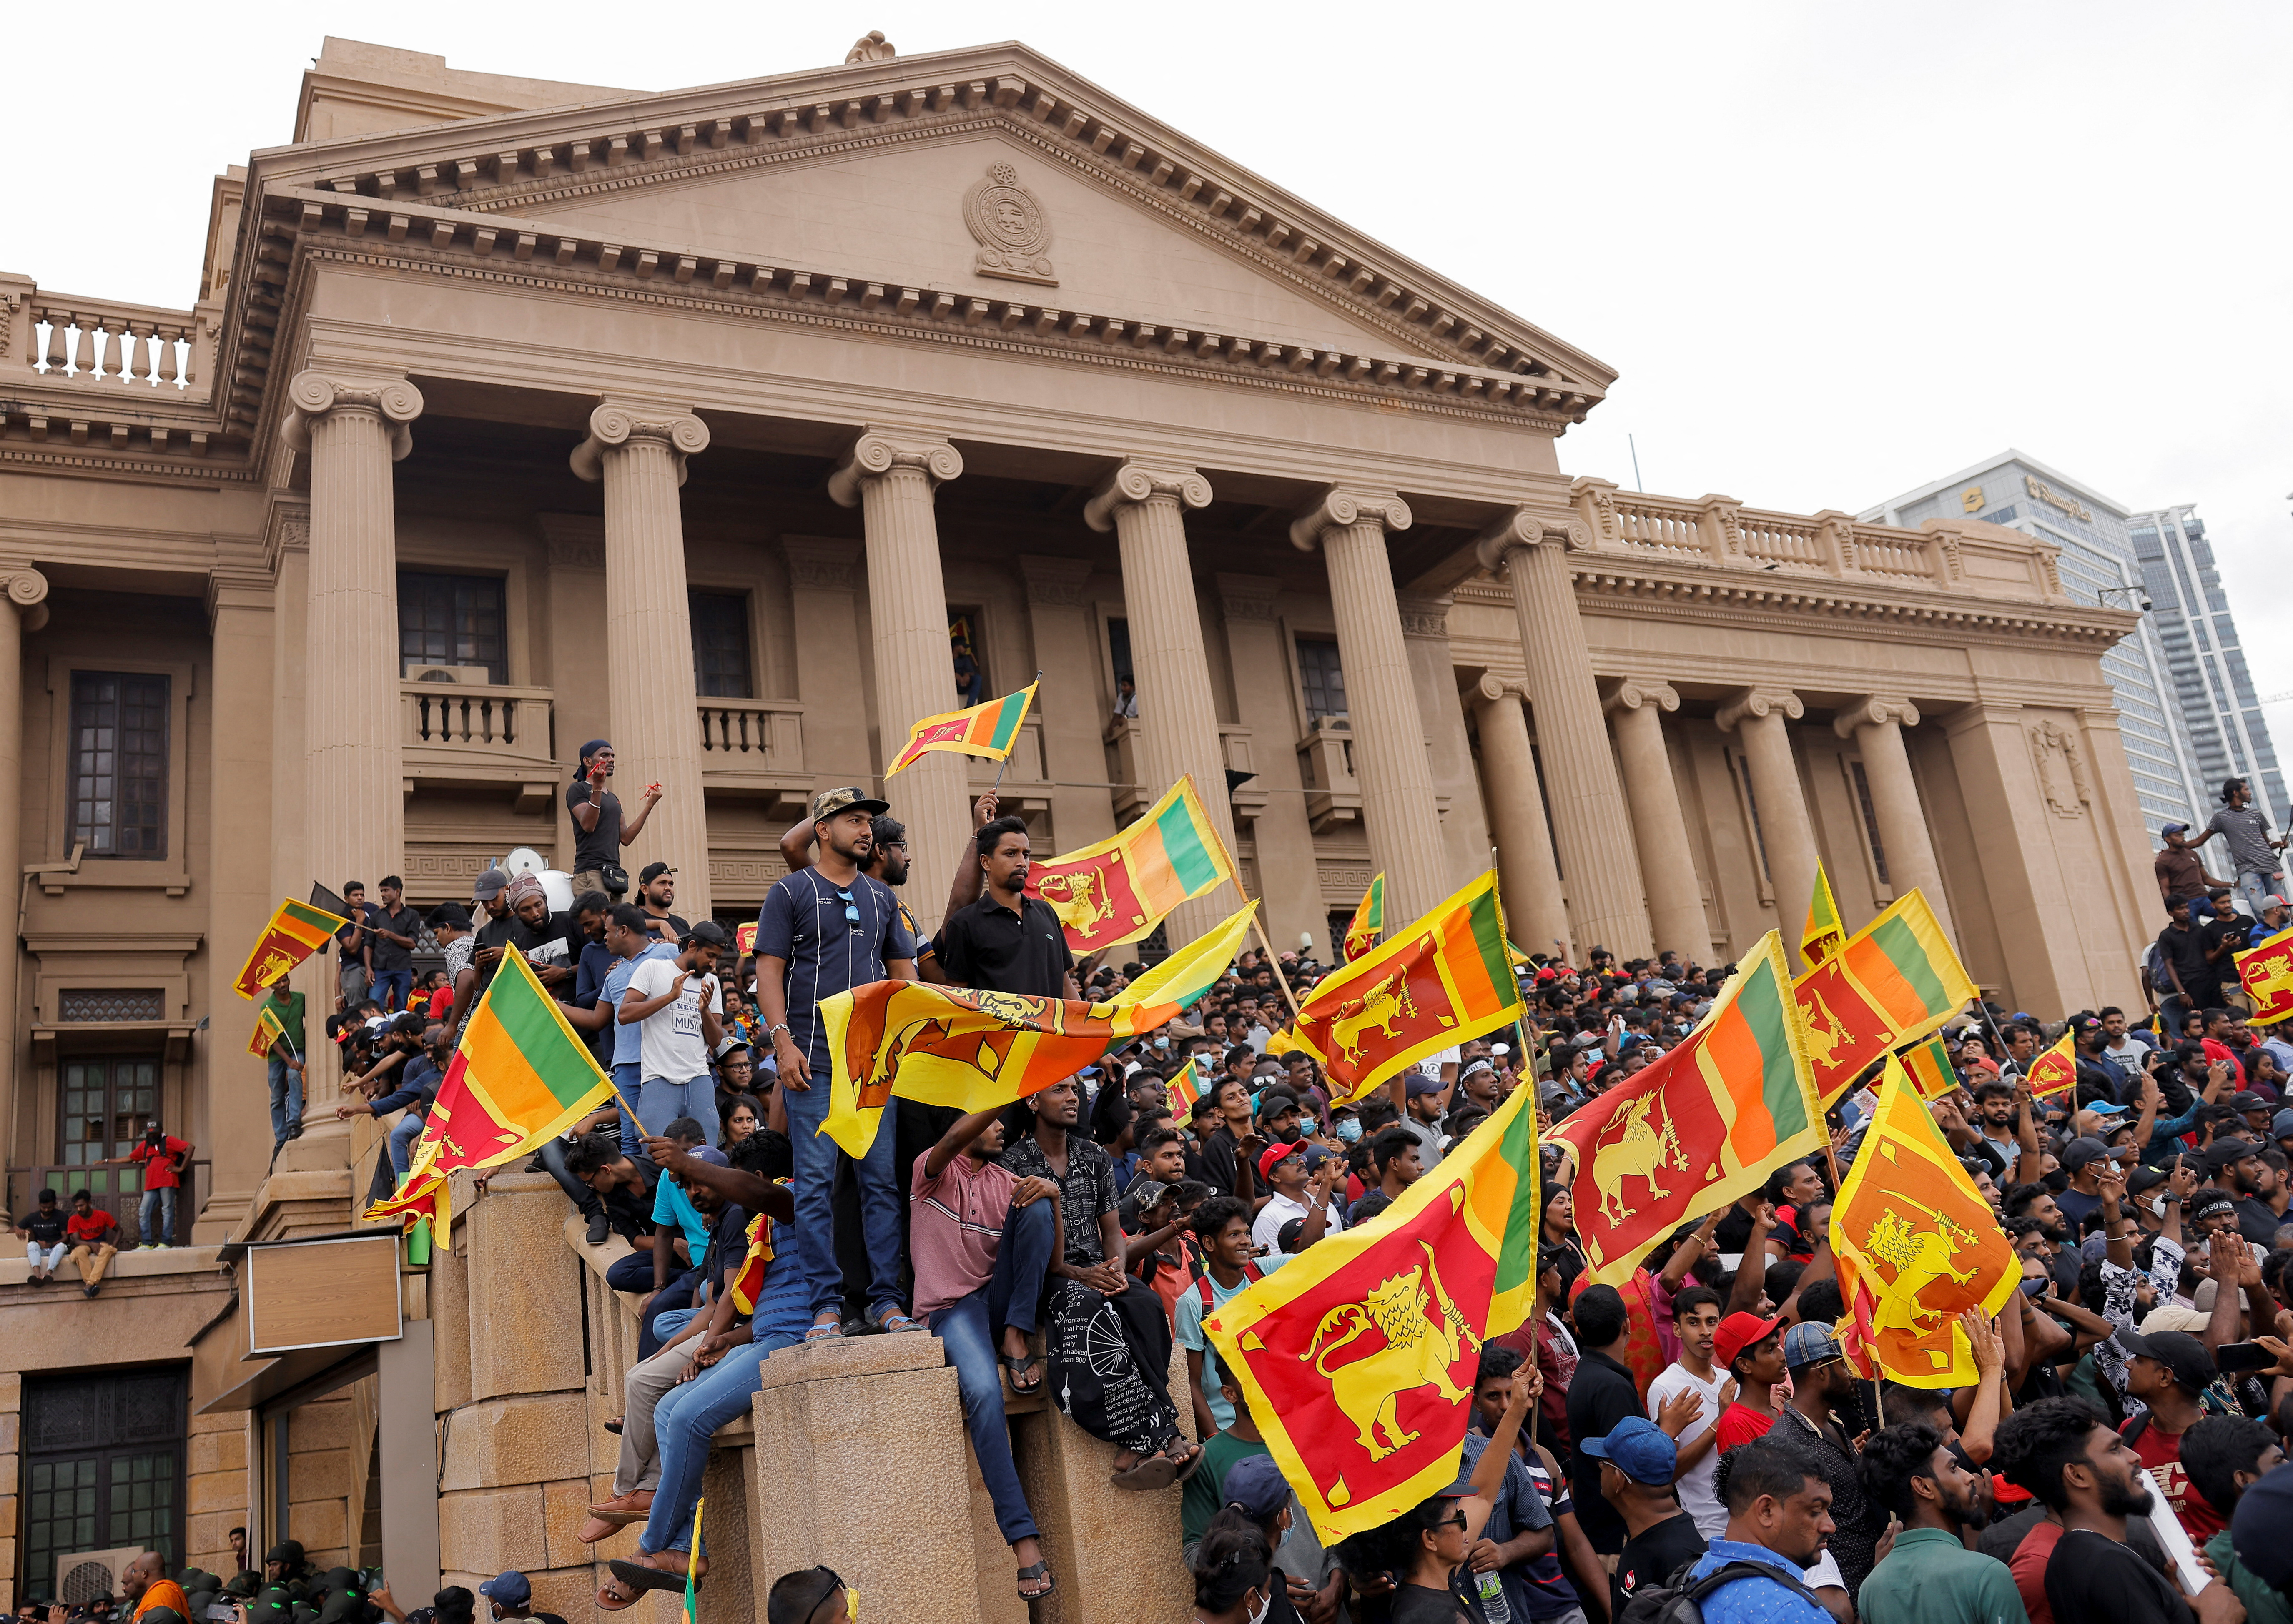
(2055, 1071)
(971, 1050)
(1910, 1227)
(1447, 978)
(268, 1030)
(988, 730)
(2266, 975)
(1893, 980)
(1368, 920)
(295, 931)
(1700, 1127)
(520, 1077)
(1192, 1082)
(1929, 1066)
(1121, 888)
(1358, 1358)
(1821, 936)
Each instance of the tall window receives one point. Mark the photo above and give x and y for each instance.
(103, 1470)
(1118, 648)
(1323, 680)
(450, 621)
(1870, 822)
(119, 764)
(107, 1101)
(720, 644)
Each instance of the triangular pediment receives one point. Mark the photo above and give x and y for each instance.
(864, 171)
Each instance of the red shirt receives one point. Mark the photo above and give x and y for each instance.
(95, 1229)
(1740, 1423)
(2161, 1452)
(159, 1167)
(2030, 1570)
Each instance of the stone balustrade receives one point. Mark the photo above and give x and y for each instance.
(102, 341)
(1325, 768)
(453, 733)
(755, 748)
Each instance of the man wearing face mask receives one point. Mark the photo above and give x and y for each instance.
(1930, 1577)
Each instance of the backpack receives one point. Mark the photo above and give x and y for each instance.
(1250, 1273)
(1680, 1600)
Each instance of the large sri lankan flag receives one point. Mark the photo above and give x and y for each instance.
(1893, 980)
(296, 930)
(520, 1077)
(1358, 1357)
(1445, 978)
(2266, 973)
(1916, 1245)
(972, 1050)
(1702, 1127)
(1121, 888)
(988, 730)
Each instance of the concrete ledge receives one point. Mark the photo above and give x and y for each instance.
(132, 1265)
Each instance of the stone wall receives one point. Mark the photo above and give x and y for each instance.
(215, 1489)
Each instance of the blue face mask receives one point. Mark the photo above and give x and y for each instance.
(1348, 1130)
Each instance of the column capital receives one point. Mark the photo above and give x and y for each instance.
(393, 402)
(617, 423)
(1633, 692)
(27, 590)
(878, 452)
(1136, 482)
(1873, 710)
(1525, 528)
(1490, 689)
(1058, 581)
(1338, 509)
(1758, 702)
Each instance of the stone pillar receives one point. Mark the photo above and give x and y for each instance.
(26, 609)
(1465, 839)
(1588, 808)
(1399, 807)
(1757, 716)
(354, 810)
(1527, 877)
(1289, 886)
(1876, 726)
(890, 476)
(824, 593)
(1675, 896)
(1058, 619)
(638, 450)
(1178, 717)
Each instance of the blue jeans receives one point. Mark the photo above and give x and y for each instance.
(688, 1415)
(402, 1143)
(286, 1099)
(163, 1202)
(816, 1159)
(2252, 888)
(668, 1321)
(663, 1101)
(971, 1328)
(627, 1079)
(675, 1298)
(390, 989)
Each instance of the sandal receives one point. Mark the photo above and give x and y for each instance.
(1017, 1368)
(1146, 1473)
(1039, 1570)
(824, 1330)
(614, 1427)
(1188, 1459)
(611, 1599)
(641, 1576)
(890, 1321)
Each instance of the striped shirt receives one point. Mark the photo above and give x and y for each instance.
(804, 922)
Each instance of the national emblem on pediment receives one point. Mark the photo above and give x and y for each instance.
(1009, 224)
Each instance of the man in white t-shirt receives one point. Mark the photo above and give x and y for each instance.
(1686, 1401)
(1301, 1177)
(678, 1005)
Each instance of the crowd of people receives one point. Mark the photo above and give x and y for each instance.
(1693, 1431)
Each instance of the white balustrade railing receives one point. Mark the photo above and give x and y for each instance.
(101, 340)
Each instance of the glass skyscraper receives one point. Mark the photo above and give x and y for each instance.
(2219, 708)
(2099, 565)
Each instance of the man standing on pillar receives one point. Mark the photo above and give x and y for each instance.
(825, 930)
(599, 833)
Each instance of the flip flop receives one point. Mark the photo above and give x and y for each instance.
(890, 1321)
(822, 1330)
(1042, 1570)
(608, 1600)
(614, 1427)
(1152, 1472)
(1188, 1461)
(639, 1576)
(1015, 1369)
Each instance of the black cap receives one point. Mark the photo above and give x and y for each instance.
(653, 871)
(2179, 1351)
(709, 934)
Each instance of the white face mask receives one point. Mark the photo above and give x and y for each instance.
(1265, 1605)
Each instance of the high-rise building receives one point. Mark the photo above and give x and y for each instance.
(2220, 711)
(2099, 565)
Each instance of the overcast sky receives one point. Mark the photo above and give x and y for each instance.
(1835, 251)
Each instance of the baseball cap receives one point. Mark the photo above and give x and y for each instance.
(2078, 1153)
(510, 1589)
(2222, 1153)
(2280, 1126)
(1809, 1342)
(653, 871)
(1256, 1488)
(1638, 1448)
(490, 884)
(708, 932)
(1737, 1332)
(828, 803)
(2178, 1351)
(2273, 900)
(2143, 1180)
(710, 1154)
(1420, 1085)
(2173, 829)
(1271, 1154)
(2245, 1100)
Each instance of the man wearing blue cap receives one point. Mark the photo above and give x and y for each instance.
(511, 1596)
(1806, 1429)
(1637, 1460)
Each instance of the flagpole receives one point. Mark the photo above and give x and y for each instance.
(1276, 966)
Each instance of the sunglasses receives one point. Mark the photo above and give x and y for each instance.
(851, 910)
(1455, 1521)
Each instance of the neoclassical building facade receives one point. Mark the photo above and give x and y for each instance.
(512, 414)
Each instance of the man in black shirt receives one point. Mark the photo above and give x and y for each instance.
(1637, 1461)
(392, 930)
(2192, 960)
(1600, 1396)
(598, 832)
(1229, 1151)
(1807, 1428)
(657, 891)
(42, 1234)
(353, 972)
(1008, 941)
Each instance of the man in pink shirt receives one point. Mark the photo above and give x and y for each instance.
(982, 1241)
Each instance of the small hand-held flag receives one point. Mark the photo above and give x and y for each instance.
(2055, 1071)
(1823, 934)
(1122, 887)
(268, 1030)
(988, 730)
(1191, 1082)
(295, 931)
(1369, 919)
(1929, 1064)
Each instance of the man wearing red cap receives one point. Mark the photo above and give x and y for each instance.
(1301, 1177)
(1751, 1350)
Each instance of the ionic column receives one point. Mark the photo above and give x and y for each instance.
(1145, 506)
(1876, 726)
(1399, 807)
(1580, 774)
(1529, 880)
(890, 476)
(354, 809)
(1675, 895)
(638, 450)
(26, 609)
(1757, 716)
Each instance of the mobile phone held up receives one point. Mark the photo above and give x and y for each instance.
(2238, 1357)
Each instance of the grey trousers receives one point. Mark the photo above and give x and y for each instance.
(640, 1462)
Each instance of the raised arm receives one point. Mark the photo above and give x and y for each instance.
(754, 1193)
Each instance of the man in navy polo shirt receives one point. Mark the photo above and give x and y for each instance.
(825, 930)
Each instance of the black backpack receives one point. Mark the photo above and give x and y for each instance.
(1680, 1600)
